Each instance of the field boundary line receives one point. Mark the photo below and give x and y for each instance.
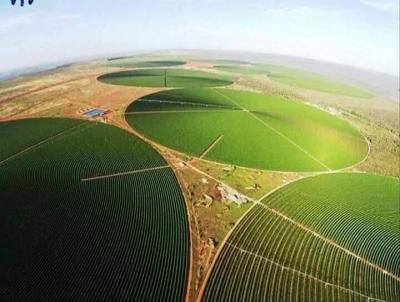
(327, 240)
(26, 150)
(276, 131)
(302, 273)
(184, 103)
(213, 144)
(162, 93)
(177, 111)
(364, 159)
(191, 233)
(123, 173)
(195, 158)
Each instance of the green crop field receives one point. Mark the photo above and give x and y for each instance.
(134, 63)
(230, 62)
(248, 69)
(333, 237)
(253, 130)
(179, 78)
(67, 236)
(297, 78)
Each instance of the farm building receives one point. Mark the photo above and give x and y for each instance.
(95, 112)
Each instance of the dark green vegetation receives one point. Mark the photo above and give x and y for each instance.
(118, 58)
(119, 238)
(165, 78)
(333, 237)
(297, 78)
(129, 63)
(258, 131)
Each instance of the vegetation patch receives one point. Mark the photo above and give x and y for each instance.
(297, 78)
(230, 62)
(90, 212)
(257, 131)
(179, 78)
(332, 237)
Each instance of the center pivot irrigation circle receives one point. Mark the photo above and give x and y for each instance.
(247, 129)
(176, 78)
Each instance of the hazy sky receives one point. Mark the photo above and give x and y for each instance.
(362, 33)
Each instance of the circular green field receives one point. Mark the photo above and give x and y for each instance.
(179, 78)
(247, 129)
(333, 237)
(86, 209)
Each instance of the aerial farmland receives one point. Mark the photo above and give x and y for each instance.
(199, 151)
(192, 177)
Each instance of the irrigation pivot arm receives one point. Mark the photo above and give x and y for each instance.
(22, 2)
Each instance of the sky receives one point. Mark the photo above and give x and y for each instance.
(361, 33)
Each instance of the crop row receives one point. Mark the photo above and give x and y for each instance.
(165, 78)
(357, 211)
(38, 130)
(121, 238)
(269, 239)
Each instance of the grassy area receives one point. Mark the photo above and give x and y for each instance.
(165, 78)
(298, 78)
(275, 256)
(70, 239)
(275, 134)
(134, 63)
(254, 183)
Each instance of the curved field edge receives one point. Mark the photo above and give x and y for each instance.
(112, 232)
(168, 77)
(135, 63)
(191, 120)
(273, 272)
(367, 204)
(298, 78)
